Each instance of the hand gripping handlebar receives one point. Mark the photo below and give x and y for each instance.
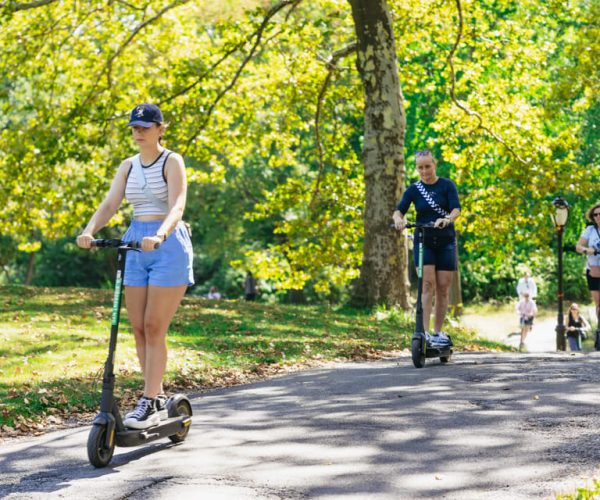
(411, 225)
(119, 244)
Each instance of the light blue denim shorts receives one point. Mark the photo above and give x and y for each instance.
(169, 265)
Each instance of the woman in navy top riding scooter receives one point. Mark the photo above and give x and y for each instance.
(154, 182)
(435, 200)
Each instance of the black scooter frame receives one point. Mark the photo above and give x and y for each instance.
(108, 429)
(419, 348)
(597, 336)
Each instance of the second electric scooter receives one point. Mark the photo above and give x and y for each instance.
(108, 429)
(420, 348)
(597, 336)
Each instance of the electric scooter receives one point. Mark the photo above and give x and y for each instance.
(597, 337)
(108, 429)
(420, 348)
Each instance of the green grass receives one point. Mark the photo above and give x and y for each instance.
(584, 493)
(54, 344)
(496, 307)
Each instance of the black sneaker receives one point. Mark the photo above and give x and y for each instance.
(144, 415)
(161, 406)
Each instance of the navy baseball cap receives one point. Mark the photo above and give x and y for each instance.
(145, 115)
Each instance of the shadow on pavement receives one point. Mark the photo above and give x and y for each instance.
(518, 425)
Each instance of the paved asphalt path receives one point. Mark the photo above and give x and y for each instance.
(504, 327)
(492, 426)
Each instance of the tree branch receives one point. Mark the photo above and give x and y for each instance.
(464, 107)
(133, 7)
(107, 67)
(331, 64)
(258, 34)
(14, 7)
(189, 87)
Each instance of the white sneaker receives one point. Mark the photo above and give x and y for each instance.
(441, 339)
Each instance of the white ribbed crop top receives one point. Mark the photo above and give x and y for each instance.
(156, 182)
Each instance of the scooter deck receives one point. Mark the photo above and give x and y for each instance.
(434, 352)
(438, 352)
(166, 428)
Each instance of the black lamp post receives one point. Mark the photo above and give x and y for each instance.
(561, 213)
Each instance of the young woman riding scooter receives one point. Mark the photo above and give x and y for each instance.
(154, 182)
(436, 201)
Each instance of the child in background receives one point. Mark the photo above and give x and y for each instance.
(527, 310)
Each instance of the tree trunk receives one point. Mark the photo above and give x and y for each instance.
(383, 278)
(30, 269)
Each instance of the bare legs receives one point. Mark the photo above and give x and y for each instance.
(525, 329)
(150, 311)
(435, 283)
(596, 299)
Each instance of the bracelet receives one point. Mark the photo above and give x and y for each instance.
(163, 237)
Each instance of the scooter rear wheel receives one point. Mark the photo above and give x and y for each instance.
(183, 408)
(98, 454)
(418, 354)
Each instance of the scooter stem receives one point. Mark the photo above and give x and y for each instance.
(419, 328)
(108, 380)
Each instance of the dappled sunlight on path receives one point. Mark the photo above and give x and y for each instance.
(487, 425)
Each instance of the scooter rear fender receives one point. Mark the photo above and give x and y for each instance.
(172, 404)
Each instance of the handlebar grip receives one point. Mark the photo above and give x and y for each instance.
(414, 225)
(106, 243)
(120, 243)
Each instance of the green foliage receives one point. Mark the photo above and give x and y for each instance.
(485, 279)
(241, 98)
(583, 493)
(55, 343)
(62, 263)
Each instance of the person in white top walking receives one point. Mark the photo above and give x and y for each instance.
(527, 310)
(589, 245)
(526, 284)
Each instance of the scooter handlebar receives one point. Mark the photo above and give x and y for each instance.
(573, 248)
(411, 225)
(119, 243)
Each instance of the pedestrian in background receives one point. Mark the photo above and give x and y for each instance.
(576, 328)
(589, 244)
(527, 310)
(527, 284)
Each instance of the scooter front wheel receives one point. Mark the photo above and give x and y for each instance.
(418, 353)
(98, 454)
